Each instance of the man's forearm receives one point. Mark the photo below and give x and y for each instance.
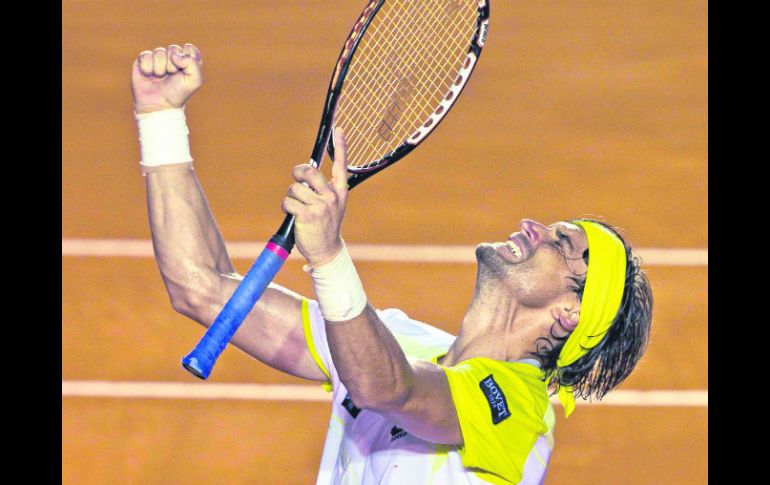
(189, 249)
(370, 362)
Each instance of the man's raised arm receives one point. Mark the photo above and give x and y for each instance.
(189, 249)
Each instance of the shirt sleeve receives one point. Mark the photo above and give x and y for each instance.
(315, 337)
(501, 408)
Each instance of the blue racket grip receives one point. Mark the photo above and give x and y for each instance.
(201, 360)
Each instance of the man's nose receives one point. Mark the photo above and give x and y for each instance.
(533, 230)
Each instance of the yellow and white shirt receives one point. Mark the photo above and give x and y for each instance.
(504, 410)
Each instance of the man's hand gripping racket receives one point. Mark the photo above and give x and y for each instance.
(318, 206)
(400, 71)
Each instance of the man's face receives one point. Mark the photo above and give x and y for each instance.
(540, 264)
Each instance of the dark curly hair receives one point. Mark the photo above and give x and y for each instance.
(610, 362)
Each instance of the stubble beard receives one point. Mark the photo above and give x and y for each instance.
(490, 264)
(495, 272)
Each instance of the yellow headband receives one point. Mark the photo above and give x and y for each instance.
(602, 295)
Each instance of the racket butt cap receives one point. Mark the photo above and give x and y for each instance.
(193, 367)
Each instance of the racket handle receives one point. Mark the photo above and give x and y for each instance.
(201, 360)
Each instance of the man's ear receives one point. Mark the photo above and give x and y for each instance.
(567, 313)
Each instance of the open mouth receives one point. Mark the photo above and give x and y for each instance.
(512, 250)
(515, 249)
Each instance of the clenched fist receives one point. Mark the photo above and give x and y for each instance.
(165, 78)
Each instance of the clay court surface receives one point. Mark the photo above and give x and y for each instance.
(592, 108)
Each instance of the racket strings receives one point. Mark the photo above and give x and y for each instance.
(405, 64)
(424, 71)
(441, 57)
(382, 74)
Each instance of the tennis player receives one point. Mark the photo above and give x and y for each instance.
(562, 308)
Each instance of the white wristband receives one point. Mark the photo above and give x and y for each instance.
(163, 138)
(338, 288)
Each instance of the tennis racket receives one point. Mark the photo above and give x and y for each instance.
(399, 73)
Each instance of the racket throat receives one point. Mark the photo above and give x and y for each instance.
(284, 237)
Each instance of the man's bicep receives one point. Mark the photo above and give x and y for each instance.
(429, 412)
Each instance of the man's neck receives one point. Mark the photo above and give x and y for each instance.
(495, 327)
